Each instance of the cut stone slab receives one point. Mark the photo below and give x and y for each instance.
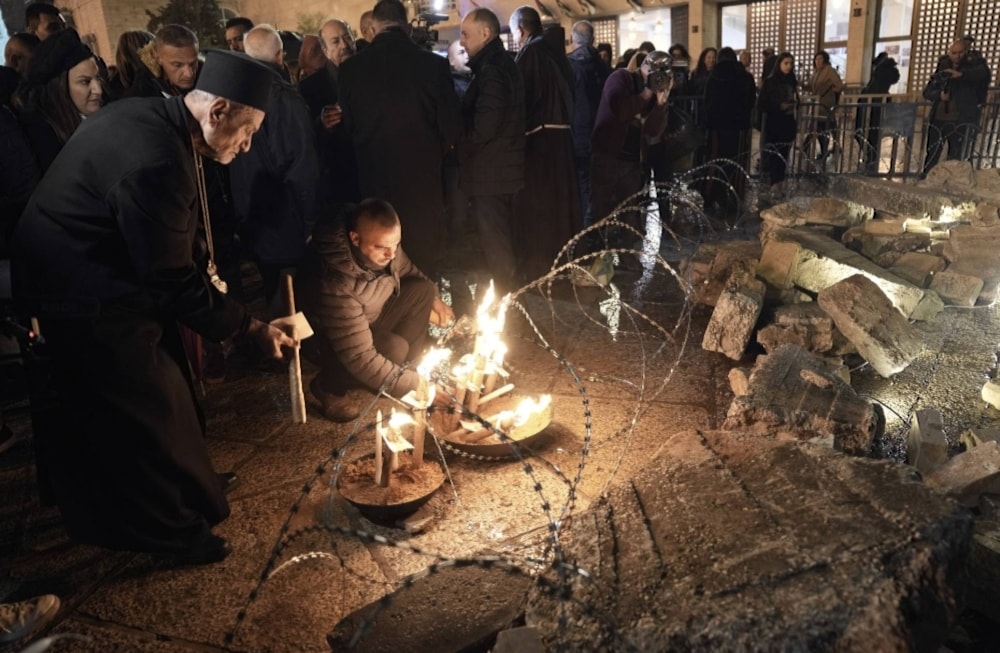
(884, 250)
(795, 395)
(479, 603)
(973, 250)
(885, 227)
(837, 213)
(991, 290)
(714, 263)
(735, 316)
(987, 214)
(519, 640)
(926, 445)
(991, 393)
(799, 258)
(951, 176)
(900, 199)
(971, 473)
(918, 268)
(957, 289)
(738, 381)
(737, 542)
(864, 315)
(928, 308)
(805, 325)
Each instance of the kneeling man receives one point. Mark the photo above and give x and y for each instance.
(369, 306)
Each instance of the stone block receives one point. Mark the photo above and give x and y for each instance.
(882, 249)
(885, 227)
(519, 640)
(777, 263)
(990, 292)
(805, 325)
(957, 289)
(971, 473)
(837, 213)
(735, 316)
(926, 445)
(973, 250)
(991, 393)
(951, 176)
(928, 308)
(819, 262)
(984, 569)
(786, 214)
(795, 394)
(738, 381)
(986, 214)
(737, 542)
(713, 264)
(864, 315)
(918, 268)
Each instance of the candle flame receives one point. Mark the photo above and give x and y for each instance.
(399, 420)
(529, 407)
(432, 359)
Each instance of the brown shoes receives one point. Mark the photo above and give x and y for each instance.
(336, 408)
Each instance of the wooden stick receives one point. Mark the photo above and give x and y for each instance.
(499, 392)
(296, 392)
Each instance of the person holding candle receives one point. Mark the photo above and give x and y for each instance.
(368, 304)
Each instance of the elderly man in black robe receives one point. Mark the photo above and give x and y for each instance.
(106, 257)
(402, 112)
(550, 212)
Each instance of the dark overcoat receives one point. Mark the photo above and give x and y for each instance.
(402, 113)
(104, 255)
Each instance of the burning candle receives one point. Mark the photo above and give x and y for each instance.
(379, 435)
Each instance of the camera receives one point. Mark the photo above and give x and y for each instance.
(660, 66)
(421, 32)
(941, 79)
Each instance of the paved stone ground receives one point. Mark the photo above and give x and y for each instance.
(643, 383)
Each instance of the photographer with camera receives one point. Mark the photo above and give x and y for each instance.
(954, 88)
(632, 114)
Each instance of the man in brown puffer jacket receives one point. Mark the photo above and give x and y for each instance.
(369, 305)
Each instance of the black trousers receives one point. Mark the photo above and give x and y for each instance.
(399, 334)
(494, 218)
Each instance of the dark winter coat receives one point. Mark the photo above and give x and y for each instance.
(729, 97)
(104, 255)
(341, 299)
(885, 73)
(964, 92)
(275, 185)
(336, 151)
(780, 124)
(589, 74)
(18, 175)
(491, 148)
(402, 114)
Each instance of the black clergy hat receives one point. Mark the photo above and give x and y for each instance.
(55, 55)
(237, 77)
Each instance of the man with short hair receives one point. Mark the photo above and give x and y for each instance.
(18, 52)
(174, 66)
(43, 20)
(551, 214)
(589, 72)
(275, 186)
(369, 305)
(954, 88)
(236, 29)
(491, 148)
(400, 159)
(107, 256)
(367, 27)
(321, 91)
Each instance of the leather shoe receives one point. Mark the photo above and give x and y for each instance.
(230, 481)
(336, 408)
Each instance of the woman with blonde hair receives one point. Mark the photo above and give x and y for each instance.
(127, 61)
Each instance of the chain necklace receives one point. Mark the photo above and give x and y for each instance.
(210, 269)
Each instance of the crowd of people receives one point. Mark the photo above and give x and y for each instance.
(132, 194)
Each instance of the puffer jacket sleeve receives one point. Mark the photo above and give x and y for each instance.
(346, 328)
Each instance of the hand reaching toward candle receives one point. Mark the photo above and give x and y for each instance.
(269, 338)
(441, 314)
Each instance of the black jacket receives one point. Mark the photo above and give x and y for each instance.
(729, 97)
(589, 72)
(340, 168)
(491, 148)
(402, 114)
(964, 92)
(275, 185)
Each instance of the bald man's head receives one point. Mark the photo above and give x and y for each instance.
(264, 44)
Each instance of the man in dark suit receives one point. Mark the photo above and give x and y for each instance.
(402, 113)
